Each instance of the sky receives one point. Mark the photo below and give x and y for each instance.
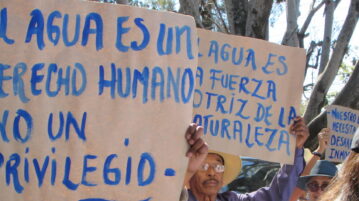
(316, 33)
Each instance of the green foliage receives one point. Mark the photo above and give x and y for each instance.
(344, 72)
(168, 5)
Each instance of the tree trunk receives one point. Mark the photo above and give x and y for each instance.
(351, 89)
(316, 101)
(237, 16)
(301, 34)
(291, 35)
(327, 38)
(257, 18)
(191, 7)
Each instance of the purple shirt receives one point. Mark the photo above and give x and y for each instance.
(280, 189)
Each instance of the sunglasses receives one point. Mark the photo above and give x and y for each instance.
(314, 186)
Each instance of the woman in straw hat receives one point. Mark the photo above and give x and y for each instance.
(345, 186)
(207, 176)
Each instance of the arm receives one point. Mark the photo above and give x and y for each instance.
(285, 180)
(197, 151)
(323, 138)
(282, 184)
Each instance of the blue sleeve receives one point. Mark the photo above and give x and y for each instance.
(281, 186)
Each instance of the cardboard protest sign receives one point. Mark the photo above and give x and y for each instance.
(94, 101)
(343, 123)
(247, 92)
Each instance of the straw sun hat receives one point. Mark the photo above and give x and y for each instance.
(232, 166)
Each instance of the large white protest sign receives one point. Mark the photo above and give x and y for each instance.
(248, 91)
(94, 101)
(343, 123)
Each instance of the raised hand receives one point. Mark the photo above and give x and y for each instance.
(197, 151)
(323, 140)
(299, 129)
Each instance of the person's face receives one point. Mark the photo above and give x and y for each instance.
(210, 181)
(316, 186)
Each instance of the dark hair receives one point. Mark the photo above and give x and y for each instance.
(346, 184)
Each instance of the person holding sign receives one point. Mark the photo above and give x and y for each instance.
(323, 140)
(345, 186)
(219, 169)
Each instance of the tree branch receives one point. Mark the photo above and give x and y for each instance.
(217, 25)
(309, 19)
(316, 101)
(290, 37)
(327, 38)
(190, 7)
(220, 16)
